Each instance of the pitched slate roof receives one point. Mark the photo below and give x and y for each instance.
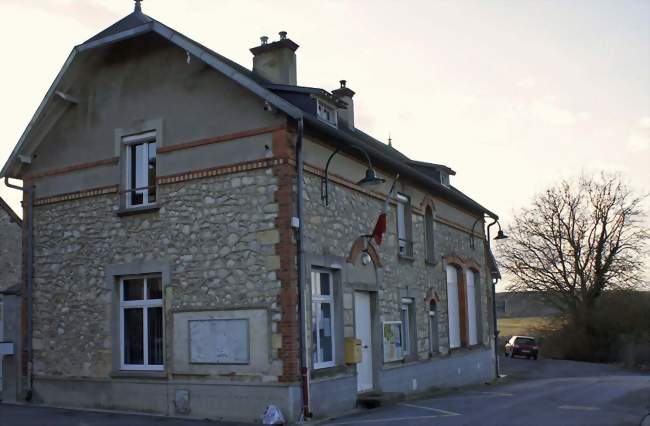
(138, 23)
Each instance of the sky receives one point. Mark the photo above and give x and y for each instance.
(513, 95)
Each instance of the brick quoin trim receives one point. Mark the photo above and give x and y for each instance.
(286, 249)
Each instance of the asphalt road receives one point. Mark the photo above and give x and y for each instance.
(542, 392)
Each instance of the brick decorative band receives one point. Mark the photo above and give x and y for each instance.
(218, 139)
(163, 180)
(113, 189)
(379, 196)
(218, 171)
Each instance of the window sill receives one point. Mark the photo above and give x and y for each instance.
(138, 374)
(128, 211)
(430, 262)
(405, 257)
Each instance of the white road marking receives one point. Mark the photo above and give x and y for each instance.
(578, 407)
(437, 410)
(490, 393)
(393, 419)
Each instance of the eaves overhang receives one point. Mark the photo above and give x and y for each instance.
(342, 139)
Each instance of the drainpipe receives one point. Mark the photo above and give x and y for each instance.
(304, 369)
(29, 276)
(494, 308)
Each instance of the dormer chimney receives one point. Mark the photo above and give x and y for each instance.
(345, 94)
(276, 61)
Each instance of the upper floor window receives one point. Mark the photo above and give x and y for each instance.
(140, 171)
(404, 235)
(428, 234)
(326, 112)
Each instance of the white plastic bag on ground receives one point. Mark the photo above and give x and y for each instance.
(272, 416)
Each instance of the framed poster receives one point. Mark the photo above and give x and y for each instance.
(392, 341)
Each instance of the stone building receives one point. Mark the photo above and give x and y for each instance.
(185, 252)
(10, 262)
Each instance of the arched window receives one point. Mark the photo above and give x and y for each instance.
(472, 314)
(453, 307)
(433, 327)
(428, 234)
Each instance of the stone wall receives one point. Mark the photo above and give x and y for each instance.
(217, 234)
(331, 230)
(10, 249)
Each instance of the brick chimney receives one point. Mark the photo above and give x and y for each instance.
(276, 61)
(345, 94)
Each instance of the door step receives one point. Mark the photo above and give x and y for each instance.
(371, 400)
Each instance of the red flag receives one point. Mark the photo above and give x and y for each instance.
(381, 225)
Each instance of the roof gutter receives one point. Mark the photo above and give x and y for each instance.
(342, 139)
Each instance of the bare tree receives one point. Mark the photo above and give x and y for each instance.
(578, 239)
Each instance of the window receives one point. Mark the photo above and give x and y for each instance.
(140, 169)
(408, 328)
(322, 318)
(326, 112)
(404, 226)
(472, 317)
(433, 327)
(428, 234)
(453, 311)
(141, 323)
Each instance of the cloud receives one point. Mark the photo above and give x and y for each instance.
(89, 13)
(639, 137)
(528, 81)
(547, 111)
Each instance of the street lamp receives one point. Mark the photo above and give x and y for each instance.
(500, 236)
(370, 179)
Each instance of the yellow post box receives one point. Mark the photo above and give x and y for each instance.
(352, 350)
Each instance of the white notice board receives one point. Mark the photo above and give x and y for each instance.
(219, 341)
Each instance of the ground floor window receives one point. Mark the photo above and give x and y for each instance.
(453, 307)
(141, 323)
(322, 317)
(407, 326)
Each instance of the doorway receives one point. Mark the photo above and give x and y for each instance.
(363, 331)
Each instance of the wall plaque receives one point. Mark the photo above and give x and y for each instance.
(219, 341)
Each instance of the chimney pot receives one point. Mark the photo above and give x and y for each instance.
(264, 40)
(283, 35)
(342, 83)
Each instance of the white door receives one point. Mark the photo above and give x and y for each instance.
(363, 331)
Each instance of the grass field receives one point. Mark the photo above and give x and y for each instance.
(535, 327)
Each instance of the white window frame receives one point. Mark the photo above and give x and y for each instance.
(406, 312)
(144, 305)
(404, 231)
(128, 141)
(332, 111)
(316, 301)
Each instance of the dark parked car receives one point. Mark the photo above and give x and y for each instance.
(523, 346)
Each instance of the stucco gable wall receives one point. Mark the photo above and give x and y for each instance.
(124, 85)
